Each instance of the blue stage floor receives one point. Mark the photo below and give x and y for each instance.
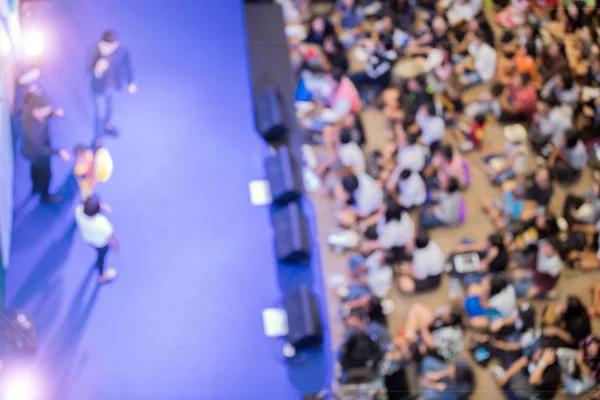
(183, 320)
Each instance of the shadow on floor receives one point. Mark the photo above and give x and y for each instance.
(62, 351)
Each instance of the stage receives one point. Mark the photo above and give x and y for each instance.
(197, 267)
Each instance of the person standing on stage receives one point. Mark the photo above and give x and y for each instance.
(98, 232)
(111, 71)
(37, 147)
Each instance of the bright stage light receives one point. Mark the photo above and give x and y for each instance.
(33, 44)
(20, 385)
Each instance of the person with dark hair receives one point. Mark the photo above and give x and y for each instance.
(446, 163)
(568, 160)
(412, 189)
(541, 274)
(441, 381)
(588, 368)
(362, 196)
(444, 209)
(377, 73)
(572, 325)
(393, 231)
(561, 90)
(433, 127)
(111, 70)
(554, 60)
(539, 188)
(335, 53)
(537, 376)
(424, 272)
(98, 232)
(480, 64)
(411, 156)
(320, 28)
(520, 100)
(37, 146)
(470, 137)
(491, 303)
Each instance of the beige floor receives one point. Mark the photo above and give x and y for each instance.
(477, 227)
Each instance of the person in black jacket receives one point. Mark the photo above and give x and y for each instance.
(37, 147)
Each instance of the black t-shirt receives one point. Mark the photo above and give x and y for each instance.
(500, 262)
(538, 194)
(579, 328)
(551, 380)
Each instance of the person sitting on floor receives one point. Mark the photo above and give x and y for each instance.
(512, 161)
(588, 368)
(433, 127)
(362, 196)
(519, 101)
(470, 137)
(412, 191)
(444, 208)
(378, 70)
(537, 376)
(373, 272)
(412, 155)
(508, 210)
(572, 325)
(424, 272)
(561, 89)
(541, 274)
(493, 302)
(393, 231)
(493, 258)
(539, 188)
(480, 65)
(568, 160)
(446, 163)
(443, 381)
(540, 227)
(584, 208)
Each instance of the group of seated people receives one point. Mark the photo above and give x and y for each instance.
(538, 67)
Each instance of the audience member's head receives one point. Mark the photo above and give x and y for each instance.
(453, 185)
(350, 183)
(405, 174)
(421, 240)
(571, 139)
(345, 136)
(91, 206)
(496, 240)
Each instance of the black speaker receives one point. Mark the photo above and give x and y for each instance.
(269, 114)
(284, 177)
(304, 321)
(292, 244)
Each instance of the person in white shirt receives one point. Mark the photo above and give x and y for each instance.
(426, 269)
(98, 232)
(480, 65)
(411, 156)
(463, 11)
(432, 126)
(413, 192)
(362, 195)
(350, 153)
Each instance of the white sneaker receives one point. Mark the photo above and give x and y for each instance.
(108, 275)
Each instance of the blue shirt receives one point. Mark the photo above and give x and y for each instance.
(118, 74)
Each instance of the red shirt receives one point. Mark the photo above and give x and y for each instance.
(477, 134)
(525, 99)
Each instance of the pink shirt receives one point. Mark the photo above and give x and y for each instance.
(453, 169)
(347, 91)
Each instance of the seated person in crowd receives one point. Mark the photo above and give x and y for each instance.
(541, 274)
(513, 15)
(362, 196)
(493, 258)
(347, 157)
(470, 137)
(509, 209)
(446, 382)
(539, 188)
(444, 208)
(320, 28)
(511, 161)
(440, 332)
(587, 368)
(424, 272)
(412, 155)
(446, 163)
(506, 64)
(540, 227)
(568, 160)
(572, 325)
(537, 376)
(561, 89)
(493, 302)
(487, 104)
(480, 65)
(411, 188)
(433, 127)
(519, 101)
(461, 11)
(393, 231)
(373, 272)
(452, 103)
(378, 69)
(348, 20)
(554, 61)
(335, 54)
(584, 208)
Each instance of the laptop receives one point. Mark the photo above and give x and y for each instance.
(466, 262)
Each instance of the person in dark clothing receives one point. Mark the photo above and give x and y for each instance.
(573, 325)
(539, 187)
(111, 71)
(37, 147)
(335, 53)
(320, 28)
(378, 70)
(554, 60)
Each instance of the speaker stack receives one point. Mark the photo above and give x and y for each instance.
(275, 120)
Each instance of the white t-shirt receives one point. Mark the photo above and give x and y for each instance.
(505, 302)
(411, 158)
(96, 230)
(433, 128)
(552, 266)
(428, 261)
(368, 196)
(380, 280)
(484, 60)
(412, 191)
(351, 155)
(395, 233)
